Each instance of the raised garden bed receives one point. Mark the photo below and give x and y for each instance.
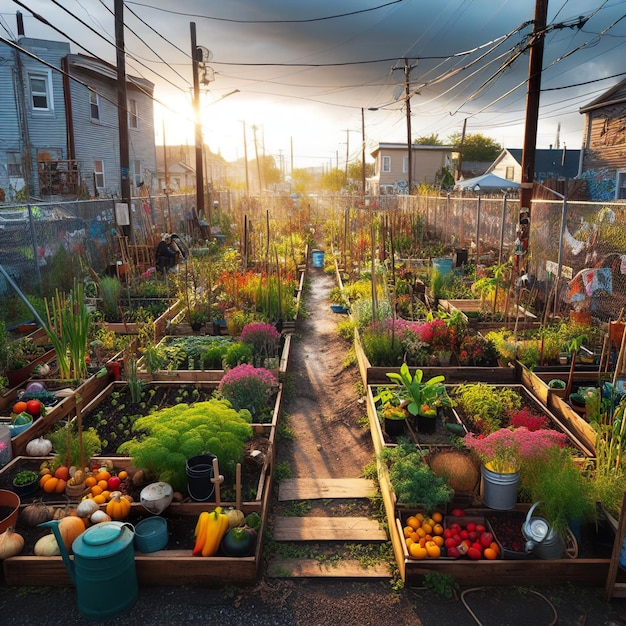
(192, 348)
(371, 375)
(173, 566)
(472, 311)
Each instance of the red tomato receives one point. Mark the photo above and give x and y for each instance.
(34, 408)
(113, 483)
(474, 554)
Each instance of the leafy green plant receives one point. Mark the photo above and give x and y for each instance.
(412, 480)
(485, 406)
(565, 494)
(66, 444)
(176, 434)
(425, 397)
(20, 352)
(110, 289)
(69, 328)
(236, 354)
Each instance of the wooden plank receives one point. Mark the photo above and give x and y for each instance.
(316, 488)
(327, 529)
(311, 568)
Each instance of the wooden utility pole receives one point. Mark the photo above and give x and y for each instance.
(407, 98)
(532, 102)
(199, 140)
(125, 225)
(461, 148)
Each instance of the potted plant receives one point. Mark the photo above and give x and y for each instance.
(20, 356)
(502, 454)
(425, 398)
(197, 319)
(25, 483)
(392, 409)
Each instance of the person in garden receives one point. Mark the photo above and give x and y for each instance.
(166, 254)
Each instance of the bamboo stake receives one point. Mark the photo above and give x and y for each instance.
(238, 487)
(620, 359)
(217, 479)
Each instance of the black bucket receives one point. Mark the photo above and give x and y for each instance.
(199, 471)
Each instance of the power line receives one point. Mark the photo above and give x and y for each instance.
(303, 21)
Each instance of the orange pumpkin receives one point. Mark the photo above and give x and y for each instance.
(118, 506)
(51, 484)
(70, 527)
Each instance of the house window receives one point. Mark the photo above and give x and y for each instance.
(133, 119)
(510, 172)
(14, 165)
(387, 164)
(98, 173)
(137, 173)
(94, 105)
(405, 164)
(40, 85)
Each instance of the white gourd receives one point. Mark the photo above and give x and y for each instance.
(39, 447)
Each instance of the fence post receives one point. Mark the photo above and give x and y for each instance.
(34, 241)
(502, 228)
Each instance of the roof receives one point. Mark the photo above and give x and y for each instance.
(611, 96)
(549, 162)
(414, 146)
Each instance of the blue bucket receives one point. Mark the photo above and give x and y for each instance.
(318, 258)
(151, 534)
(443, 265)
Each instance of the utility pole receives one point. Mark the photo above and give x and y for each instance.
(407, 98)
(362, 152)
(123, 221)
(199, 140)
(347, 152)
(532, 102)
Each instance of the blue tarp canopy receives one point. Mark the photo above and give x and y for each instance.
(486, 182)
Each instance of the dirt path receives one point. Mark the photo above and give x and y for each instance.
(323, 406)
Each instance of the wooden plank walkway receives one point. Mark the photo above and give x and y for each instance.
(310, 568)
(327, 529)
(319, 488)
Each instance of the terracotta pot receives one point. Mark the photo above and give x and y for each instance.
(9, 499)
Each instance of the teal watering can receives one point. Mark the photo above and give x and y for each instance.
(103, 567)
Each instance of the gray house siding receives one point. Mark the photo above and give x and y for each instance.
(47, 130)
(98, 139)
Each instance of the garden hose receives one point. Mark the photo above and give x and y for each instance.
(466, 605)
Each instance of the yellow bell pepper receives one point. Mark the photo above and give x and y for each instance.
(216, 528)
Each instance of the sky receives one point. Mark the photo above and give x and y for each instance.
(303, 77)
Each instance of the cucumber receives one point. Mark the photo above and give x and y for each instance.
(456, 429)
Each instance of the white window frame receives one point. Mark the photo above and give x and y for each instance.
(137, 172)
(94, 105)
(98, 173)
(133, 116)
(46, 77)
(510, 172)
(386, 164)
(405, 164)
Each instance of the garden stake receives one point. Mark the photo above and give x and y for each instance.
(238, 487)
(217, 480)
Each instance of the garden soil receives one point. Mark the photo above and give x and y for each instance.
(324, 411)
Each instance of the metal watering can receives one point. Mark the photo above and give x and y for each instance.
(541, 539)
(103, 567)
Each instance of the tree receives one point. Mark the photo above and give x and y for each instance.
(476, 147)
(429, 140)
(333, 180)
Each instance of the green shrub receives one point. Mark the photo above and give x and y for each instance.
(236, 354)
(176, 434)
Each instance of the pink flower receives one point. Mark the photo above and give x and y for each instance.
(506, 449)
